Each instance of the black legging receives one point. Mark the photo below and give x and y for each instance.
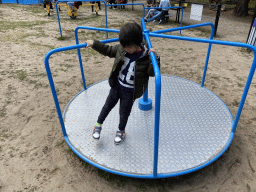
(126, 102)
(98, 2)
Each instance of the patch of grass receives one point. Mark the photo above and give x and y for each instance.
(62, 38)
(69, 151)
(54, 170)
(204, 32)
(68, 84)
(21, 74)
(119, 180)
(245, 50)
(172, 50)
(1, 79)
(32, 81)
(227, 78)
(38, 85)
(34, 9)
(7, 25)
(33, 189)
(59, 143)
(39, 45)
(240, 85)
(66, 65)
(215, 77)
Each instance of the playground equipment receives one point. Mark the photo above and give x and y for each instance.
(73, 12)
(195, 127)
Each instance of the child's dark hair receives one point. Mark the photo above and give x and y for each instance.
(130, 33)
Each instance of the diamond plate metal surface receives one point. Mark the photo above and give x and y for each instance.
(194, 127)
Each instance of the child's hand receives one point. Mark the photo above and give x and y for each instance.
(89, 43)
(152, 50)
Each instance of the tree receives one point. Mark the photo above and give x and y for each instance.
(241, 8)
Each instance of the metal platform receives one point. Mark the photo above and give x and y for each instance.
(195, 126)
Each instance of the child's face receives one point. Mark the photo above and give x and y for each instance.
(132, 48)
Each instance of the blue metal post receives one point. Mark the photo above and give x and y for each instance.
(57, 11)
(207, 56)
(157, 98)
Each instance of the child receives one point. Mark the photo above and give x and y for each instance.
(129, 76)
(151, 13)
(73, 4)
(160, 15)
(48, 2)
(98, 2)
(123, 2)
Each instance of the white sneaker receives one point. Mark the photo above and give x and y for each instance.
(96, 132)
(120, 136)
(154, 21)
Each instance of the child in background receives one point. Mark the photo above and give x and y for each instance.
(99, 5)
(160, 15)
(48, 2)
(128, 78)
(123, 2)
(74, 4)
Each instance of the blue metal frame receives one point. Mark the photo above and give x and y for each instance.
(146, 35)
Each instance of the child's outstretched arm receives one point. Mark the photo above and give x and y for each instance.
(102, 48)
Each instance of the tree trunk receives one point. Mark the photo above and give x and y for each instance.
(241, 8)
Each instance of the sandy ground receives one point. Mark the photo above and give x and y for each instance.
(33, 153)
